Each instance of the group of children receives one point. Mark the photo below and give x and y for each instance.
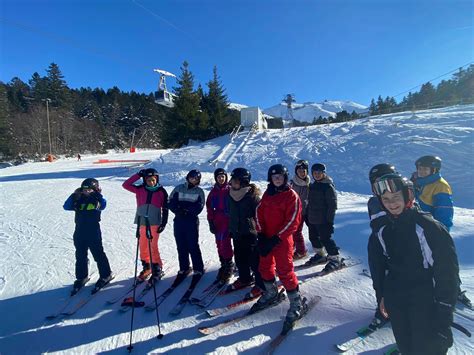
(412, 257)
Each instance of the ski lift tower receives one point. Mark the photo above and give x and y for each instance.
(163, 96)
(289, 99)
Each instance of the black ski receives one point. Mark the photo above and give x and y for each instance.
(187, 295)
(234, 320)
(288, 326)
(159, 299)
(209, 294)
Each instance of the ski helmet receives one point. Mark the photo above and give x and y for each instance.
(429, 161)
(277, 169)
(220, 171)
(302, 164)
(150, 172)
(380, 170)
(393, 183)
(90, 183)
(318, 167)
(243, 175)
(195, 173)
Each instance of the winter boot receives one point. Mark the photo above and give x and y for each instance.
(334, 263)
(269, 297)
(298, 306)
(102, 282)
(226, 271)
(78, 284)
(145, 273)
(318, 258)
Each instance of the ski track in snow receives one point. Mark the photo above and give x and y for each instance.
(37, 251)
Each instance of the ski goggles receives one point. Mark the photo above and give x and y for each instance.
(302, 164)
(390, 184)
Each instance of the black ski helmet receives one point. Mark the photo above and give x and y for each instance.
(220, 171)
(90, 183)
(302, 164)
(243, 175)
(393, 183)
(318, 167)
(150, 172)
(277, 169)
(429, 161)
(195, 173)
(380, 170)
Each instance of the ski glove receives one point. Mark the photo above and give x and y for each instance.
(161, 228)
(212, 227)
(443, 318)
(265, 244)
(141, 173)
(180, 211)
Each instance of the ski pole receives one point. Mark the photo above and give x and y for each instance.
(149, 237)
(130, 347)
(461, 329)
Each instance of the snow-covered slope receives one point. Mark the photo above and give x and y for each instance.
(307, 111)
(37, 252)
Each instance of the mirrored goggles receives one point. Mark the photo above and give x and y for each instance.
(390, 185)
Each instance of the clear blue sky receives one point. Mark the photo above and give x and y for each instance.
(349, 50)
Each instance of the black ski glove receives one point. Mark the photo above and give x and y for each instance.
(212, 227)
(443, 318)
(180, 211)
(161, 228)
(141, 173)
(265, 244)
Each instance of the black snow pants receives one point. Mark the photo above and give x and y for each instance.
(247, 258)
(320, 236)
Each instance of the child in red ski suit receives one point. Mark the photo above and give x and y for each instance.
(217, 205)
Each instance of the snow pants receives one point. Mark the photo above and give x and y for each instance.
(320, 236)
(186, 234)
(413, 326)
(281, 260)
(223, 239)
(144, 247)
(247, 258)
(85, 239)
(298, 239)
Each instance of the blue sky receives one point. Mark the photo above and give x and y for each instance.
(348, 50)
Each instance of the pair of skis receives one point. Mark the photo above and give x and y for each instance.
(65, 310)
(209, 294)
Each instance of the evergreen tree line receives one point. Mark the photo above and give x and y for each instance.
(457, 90)
(94, 120)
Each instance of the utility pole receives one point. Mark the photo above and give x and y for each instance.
(49, 128)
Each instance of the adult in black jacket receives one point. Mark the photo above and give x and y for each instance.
(322, 205)
(243, 200)
(419, 288)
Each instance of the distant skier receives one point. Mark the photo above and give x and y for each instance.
(152, 214)
(418, 291)
(187, 201)
(300, 183)
(217, 205)
(244, 198)
(278, 217)
(88, 202)
(78, 157)
(322, 205)
(376, 211)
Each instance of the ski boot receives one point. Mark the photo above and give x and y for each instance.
(145, 273)
(318, 258)
(225, 272)
(378, 321)
(102, 282)
(334, 263)
(298, 256)
(297, 310)
(156, 274)
(78, 284)
(253, 293)
(269, 297)
(239, 284)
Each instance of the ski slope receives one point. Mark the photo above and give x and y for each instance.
(37, 251)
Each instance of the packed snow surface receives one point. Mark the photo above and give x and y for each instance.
(37, 252)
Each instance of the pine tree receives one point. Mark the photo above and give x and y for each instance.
(215, 104)
(373, 108)
(5, 133)
(57, 89)
(178, 125)
(39, 87)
